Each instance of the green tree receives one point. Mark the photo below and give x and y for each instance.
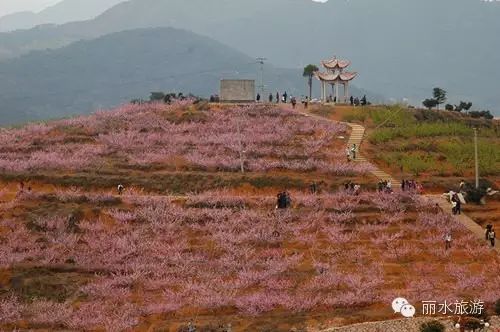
(449, 107)
(463, 106)
(439, 96)
(309, 71)
(430, 103)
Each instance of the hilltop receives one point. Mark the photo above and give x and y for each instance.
(119, 67)
(400, 48)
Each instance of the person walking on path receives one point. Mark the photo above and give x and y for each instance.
(270, 97)
(462, 186)
(294, 102)
(348, 153)
(447, 241)
(488, 229)
(353, 150)
(491, 237)
(453, 207)
(121, 188)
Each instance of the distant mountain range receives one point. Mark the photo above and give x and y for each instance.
(116, 68)
(401, 48)
(62, 12)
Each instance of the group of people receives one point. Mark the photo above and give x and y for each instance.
(284, 98)
(355, 101)
(284, 201)
(351, 152)
(411, 185)
(352, 188)
(384, 186)
(22, 188)
(489, 235)
(279, 98)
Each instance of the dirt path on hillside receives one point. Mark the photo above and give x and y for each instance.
(357, 136)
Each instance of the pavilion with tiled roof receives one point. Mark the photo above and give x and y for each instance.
(335, 76)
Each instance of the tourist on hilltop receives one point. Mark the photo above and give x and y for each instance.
(277, 97)
(285, 97)
(352, 100)
(258, 97)
(356, 101)
(447, 240)
(294, 102)
(306, 102)
(121, 188)
(270, 97)
(491, 237)
(363, 101)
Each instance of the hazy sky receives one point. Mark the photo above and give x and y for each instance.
(12, 6)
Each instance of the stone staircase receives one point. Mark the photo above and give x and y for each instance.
(357, 136)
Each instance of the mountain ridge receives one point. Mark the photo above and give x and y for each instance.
(119, 67)
(402, 49)
(62, 12)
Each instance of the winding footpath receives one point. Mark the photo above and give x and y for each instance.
(357, 136)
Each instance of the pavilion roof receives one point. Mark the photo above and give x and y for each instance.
(336, 63)
(333, 77)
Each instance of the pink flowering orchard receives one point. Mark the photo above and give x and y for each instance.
(263, 138)
(192, 238)
(218, 252)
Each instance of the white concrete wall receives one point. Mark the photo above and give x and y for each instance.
(237, 90)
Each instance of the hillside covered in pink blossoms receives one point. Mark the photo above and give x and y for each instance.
(158, 135)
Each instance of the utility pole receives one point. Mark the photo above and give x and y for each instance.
(476, 157)
(240, 147)
(261, 62)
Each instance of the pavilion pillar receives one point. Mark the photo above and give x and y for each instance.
(347, 96)
(325, 98)
(337, 92)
